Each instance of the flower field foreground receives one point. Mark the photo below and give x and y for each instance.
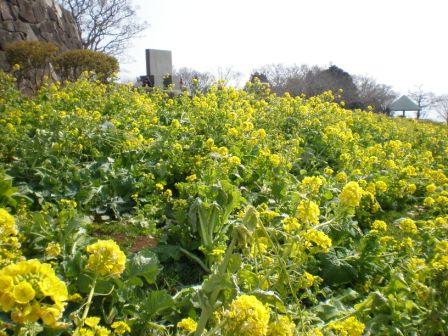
(234, 212)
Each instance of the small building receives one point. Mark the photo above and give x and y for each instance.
(403, 105)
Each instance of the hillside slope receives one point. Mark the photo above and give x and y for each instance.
(272, 215)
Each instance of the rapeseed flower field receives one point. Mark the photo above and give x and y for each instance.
(230, 212)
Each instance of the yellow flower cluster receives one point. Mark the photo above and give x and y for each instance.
(275, 159)
(351, 194)
(234, 160)
(53, 250)
(341, 177)
(381, 186)
(93, 328)
(379, 226)
(31, 291)
(282, 327)
(408, 226)
(9, 243)
(308, 212)
(328, 171)
(317, 241)
(440, 261)
(348, 327)
(246, 316)
(428, 202)
(7, 223)
(268, 214)
(187, 324)
(308, 280)
(430, 188)
(106, 258)
(290, 224)
(442, 201)
(311, 184)
(411, 188)
(314, 332)
(120, 327)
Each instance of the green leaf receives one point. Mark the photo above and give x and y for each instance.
(144, 264)
(217, 282)
(156, 302)
(270, 297)
(251, 219)
(336, 271)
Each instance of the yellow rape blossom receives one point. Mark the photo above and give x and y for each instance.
(381, 186)
(7, 223)
(53, 250)
(282, 327)
(30, 290)
(120, 327)
(341, 177)
(430, 188)
(106, 258)
(379, 225)
(440, 261)
(308, 280)
(191, 178)
(317, 241)
(411, 188)
(290, 224)
(261, 133)
(92, 321)
(351, 194)
(188, 324)
(428, 202)
(234, 160)
(348, 327)
(308, 212)
(408, 226)
(275, 159)
(9, 243)
(311, 184)
(328, 171)
(246, 316)
(314, 332)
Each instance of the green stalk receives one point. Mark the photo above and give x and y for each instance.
(195, 258)
(88, 303)
(208, 310)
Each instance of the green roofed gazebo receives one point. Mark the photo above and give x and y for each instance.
(404, 103)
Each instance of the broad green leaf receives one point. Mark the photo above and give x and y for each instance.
(144, 264)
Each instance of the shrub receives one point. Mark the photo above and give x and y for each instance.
(30, 61)
(71, 64)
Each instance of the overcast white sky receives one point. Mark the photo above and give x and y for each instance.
(402, 43)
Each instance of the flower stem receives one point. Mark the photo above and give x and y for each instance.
(208, 309)
(88, 303)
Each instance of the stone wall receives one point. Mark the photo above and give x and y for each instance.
(36, 20)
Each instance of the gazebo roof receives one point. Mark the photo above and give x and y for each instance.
(404, 103)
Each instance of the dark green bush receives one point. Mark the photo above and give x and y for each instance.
(30, 62)
(30, 54)
(69, 65)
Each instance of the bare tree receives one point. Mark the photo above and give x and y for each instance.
(278, 75)
(229, 76)
(194, 80)
(357, 91)
(425, 101)
(371, 93)
(441, 107)
(105, 25)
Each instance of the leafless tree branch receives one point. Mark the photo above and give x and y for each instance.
(105, 25)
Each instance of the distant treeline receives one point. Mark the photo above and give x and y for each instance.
(355, 91)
